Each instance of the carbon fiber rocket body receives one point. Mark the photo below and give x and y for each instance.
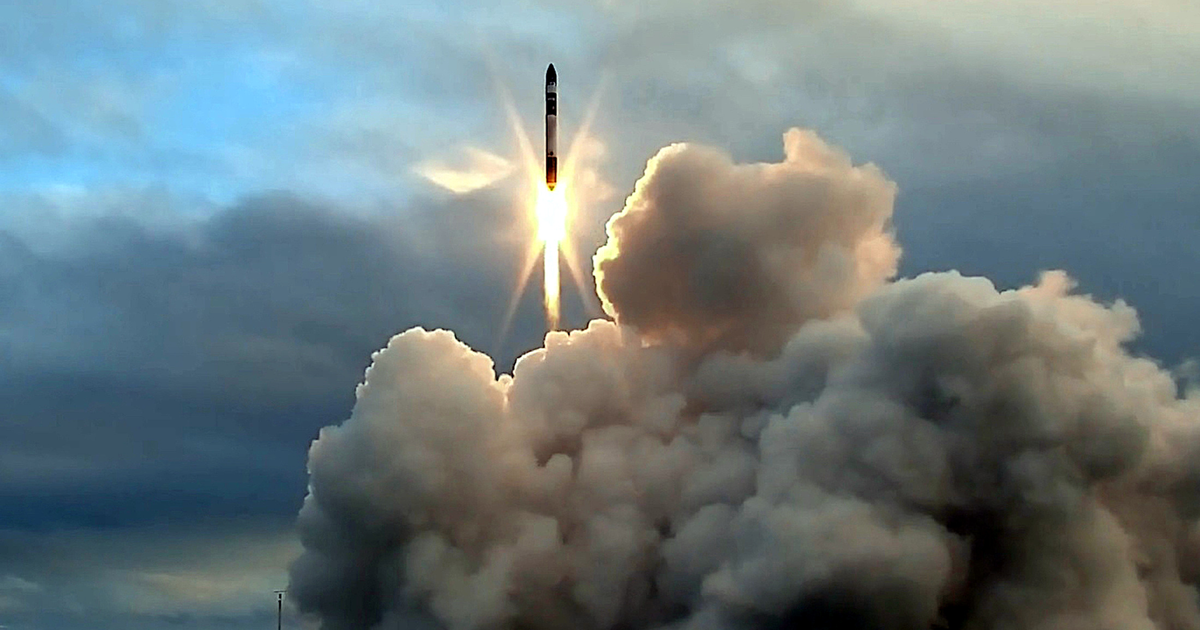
(551, 127)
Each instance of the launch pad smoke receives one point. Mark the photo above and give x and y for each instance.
(773, 435)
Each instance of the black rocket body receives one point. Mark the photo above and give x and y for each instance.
(551, 127)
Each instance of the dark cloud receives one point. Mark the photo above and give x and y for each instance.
(1104, 217)
(274, 279)
(154, 376)
(207, 573)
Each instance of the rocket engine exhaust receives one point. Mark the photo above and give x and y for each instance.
(774, 433)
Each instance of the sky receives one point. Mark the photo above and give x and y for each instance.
(213, 212)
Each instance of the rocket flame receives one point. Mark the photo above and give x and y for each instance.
(551, 212)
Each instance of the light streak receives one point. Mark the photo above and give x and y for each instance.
(551, 216)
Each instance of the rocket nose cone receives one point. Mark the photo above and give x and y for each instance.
(551, 75)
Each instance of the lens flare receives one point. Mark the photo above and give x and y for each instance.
(551, 213)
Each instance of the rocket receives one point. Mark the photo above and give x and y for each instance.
(551, 127)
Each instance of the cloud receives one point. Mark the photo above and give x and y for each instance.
(25, 130)
(184, 373)
(223, 571)
(736, 256)
(475, 169)
(271, 277)
(59, 111)
(1099, 45)
(195, 312)
(926, 451)
(159, 369)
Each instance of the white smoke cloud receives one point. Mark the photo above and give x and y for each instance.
(707, 251)
(769, 435)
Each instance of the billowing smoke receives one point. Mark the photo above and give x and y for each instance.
(717, 254)
(772, 435)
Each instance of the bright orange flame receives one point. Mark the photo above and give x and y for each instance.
(551, 211)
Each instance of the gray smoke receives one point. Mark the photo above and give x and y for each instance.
(771, 435)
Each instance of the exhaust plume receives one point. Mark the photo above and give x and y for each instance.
(737, 256)
(770, 435)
